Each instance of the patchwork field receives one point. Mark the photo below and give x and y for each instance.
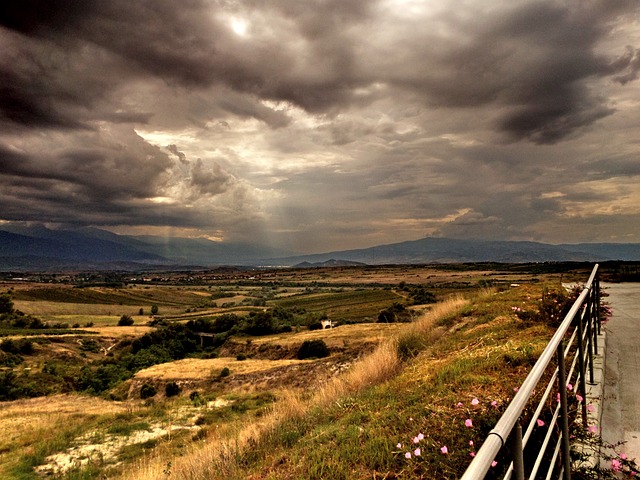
(195, 372)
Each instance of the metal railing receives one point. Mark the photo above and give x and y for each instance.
(581, 325)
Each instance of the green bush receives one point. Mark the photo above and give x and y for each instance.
(172, 389)
(147, 391)
(125, 321)
(313, 349)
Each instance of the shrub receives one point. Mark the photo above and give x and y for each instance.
(154, 309)
(125, 321)
(147, 391)
(172, 389)
(225, 372)
(6, 305)
(313, 349)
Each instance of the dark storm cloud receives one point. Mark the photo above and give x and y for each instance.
(533, 60)
(343, 111)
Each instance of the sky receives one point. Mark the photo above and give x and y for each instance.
(321, 125)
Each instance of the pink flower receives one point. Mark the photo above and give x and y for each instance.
(593, 429)
(407, 455)
(420, 436)
(591, 408)
(615, 465)
(416, 439)
(579, 398)
(515, 389)
(399, 445)
(472, 454)
(623, 456)
(540, 423)
(459, 405)
(569, 387)
(444, 450)
(475, 401)
(494, 404)
(633, 474)
(494, 463)
(558, 396)
(471, 443)
(417, 452)
(468, 423)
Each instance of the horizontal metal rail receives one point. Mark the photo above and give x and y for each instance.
(584, 310)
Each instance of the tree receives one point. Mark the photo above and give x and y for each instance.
(154, 309)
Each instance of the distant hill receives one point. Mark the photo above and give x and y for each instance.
(449, 250)
(329, 263)
(39, 248)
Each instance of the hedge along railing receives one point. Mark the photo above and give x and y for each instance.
(584, 316)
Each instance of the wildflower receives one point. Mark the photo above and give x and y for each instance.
(475, 401)
(515, 389)
(472, 454)
(540, 423)
(615, 465)
(623, 456)
(420, 436)
(591, 408)
(459, 404)
(494, 404)
(399, 445)
(417, 452)
(407, 455)
(579, 398)
(558, 396)
(444, 450)
(569, 387)
(471, 443)
(494, 463)
(468, 423)
(593, 429)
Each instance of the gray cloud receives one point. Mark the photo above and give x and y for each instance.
(309, 120)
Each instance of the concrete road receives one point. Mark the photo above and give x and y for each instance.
(621, 398)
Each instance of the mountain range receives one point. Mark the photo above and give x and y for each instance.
(25, 248)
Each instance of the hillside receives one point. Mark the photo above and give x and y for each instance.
(39, 248)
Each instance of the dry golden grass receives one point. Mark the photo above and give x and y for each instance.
(198, 369)
(115, 332)
(25, 422)
(361, 332)
(216, 458)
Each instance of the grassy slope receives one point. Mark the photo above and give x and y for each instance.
(350, 429)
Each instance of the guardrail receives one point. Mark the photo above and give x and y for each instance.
(554, 451)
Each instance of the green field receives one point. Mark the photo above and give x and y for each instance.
(356, 305)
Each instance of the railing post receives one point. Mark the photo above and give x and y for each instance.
(594, 316)
(564, 416)
(583, 381)
(590, 344)
(518, 454)
(596, 288)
